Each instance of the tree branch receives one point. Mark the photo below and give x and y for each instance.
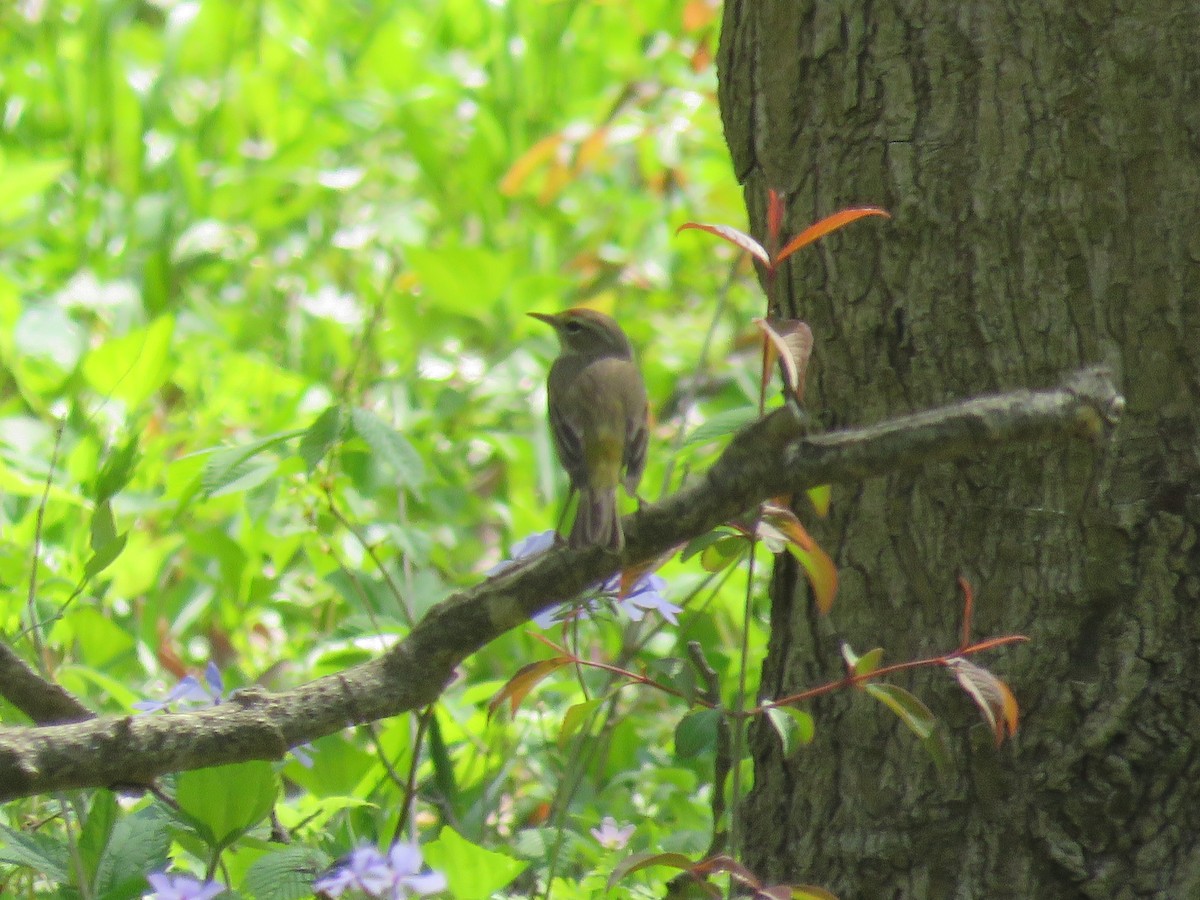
(769, 458)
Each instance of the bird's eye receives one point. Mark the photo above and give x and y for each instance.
(573, 327)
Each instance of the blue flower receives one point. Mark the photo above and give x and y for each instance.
(394, 876)
(181, 887)
(190, 692)
(645, 596)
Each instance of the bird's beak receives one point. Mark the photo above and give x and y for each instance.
(550, 320)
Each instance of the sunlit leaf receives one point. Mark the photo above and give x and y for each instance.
(723, 552)
(525, 679)
(226, 801)
(822, 575)
(733, 236)
(820, 497)
(574, 718)
(819, 229)
(473, 872)
(993, 697)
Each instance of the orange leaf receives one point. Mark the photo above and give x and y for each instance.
(991, 695)
(525, 679)
(735, 237)
(774, 216)
(541, 152)
(822, 575)
(825, 226)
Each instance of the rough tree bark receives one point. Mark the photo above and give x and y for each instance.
(1042, 163)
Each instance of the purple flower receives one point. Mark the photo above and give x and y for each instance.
(405, 860)
(394, 876)
(181, 887)
(523, 549)
(190, 692)
(610, 836)
(645, 595)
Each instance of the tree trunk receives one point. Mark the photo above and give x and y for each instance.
(1042, 164)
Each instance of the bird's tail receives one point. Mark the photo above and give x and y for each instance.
(596, 520)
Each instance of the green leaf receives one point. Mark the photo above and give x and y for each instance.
(285, 874)
(574, 718)
(443, 765)
(390, 447)
(228, 469)
(473, 872)
(721, 425)
(133, 367)
(139, 844)
(97, 828)
(696, 732)
(795, 727)
(678, 673)
(224, 802)
(724, 552)
(321, 436)
(24, 180)
(918, 717)
(39, 852)
(116, 471)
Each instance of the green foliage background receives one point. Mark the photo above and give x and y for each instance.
(268, 391)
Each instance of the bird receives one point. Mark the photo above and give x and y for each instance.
(599, 415)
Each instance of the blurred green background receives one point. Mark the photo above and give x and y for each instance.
(221, 222)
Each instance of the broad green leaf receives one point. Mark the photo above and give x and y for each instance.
(697, 732)
(321, 436)
(139, 844)
(286, 874)
(226, 801)
(918, 717)
(116, 470)
(574, 718)
(228, 470)
(97, 828)
(390, 447)
(133, 367)
(473, 872)
(36, 851)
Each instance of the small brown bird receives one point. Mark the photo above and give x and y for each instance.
(598, 416)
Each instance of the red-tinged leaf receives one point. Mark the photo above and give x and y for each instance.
(991, 695)
(915, 714)
(785, 521)
(639, 861)
(524, 681)
(822, 575)
(634, 574)
(968, 609)
(735, 237)
(557, 177)
(818, 230)
(821, 497)
(540, 153)
(724, 863)
(797, 892)
(774, 216)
